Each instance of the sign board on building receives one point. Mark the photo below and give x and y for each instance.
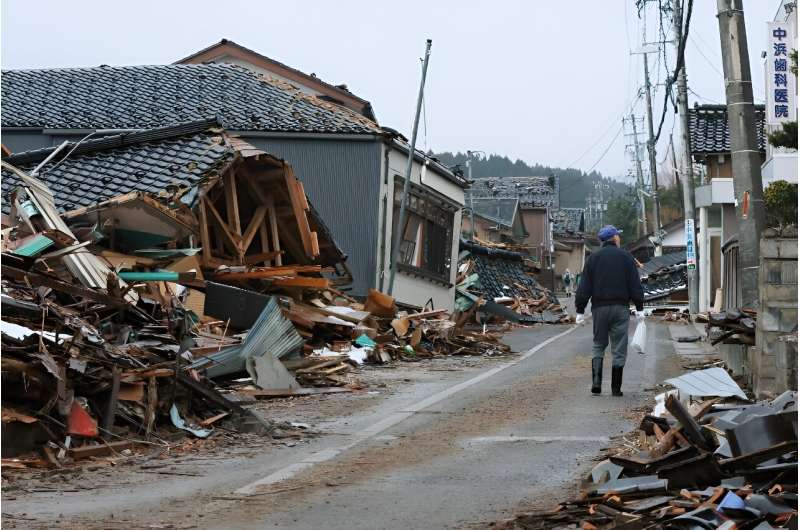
(691, 254)
(781, 91)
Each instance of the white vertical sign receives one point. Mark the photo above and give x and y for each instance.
(781, 91)
(691, 253)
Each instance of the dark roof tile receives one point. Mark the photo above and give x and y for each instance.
(156, 96)
(708, 129)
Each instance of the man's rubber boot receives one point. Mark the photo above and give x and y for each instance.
(597, 375)
(616, 381)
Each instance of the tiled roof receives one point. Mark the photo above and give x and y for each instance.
(536, 192)
(567, 221)
(312, 78)
(500, 210)
(146, 161)
(708, 129)
(157, 96)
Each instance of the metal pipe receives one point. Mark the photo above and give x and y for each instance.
(407, 183)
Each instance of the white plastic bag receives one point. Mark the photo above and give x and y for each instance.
(639, 337)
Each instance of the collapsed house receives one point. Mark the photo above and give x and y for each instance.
(502, 284)
(144, 274)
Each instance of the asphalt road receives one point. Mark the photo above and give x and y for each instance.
(474, 448)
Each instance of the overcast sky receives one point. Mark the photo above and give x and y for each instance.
(544, 81)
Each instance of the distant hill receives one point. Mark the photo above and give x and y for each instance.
(575, 184)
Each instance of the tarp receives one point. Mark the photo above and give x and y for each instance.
(709, 382)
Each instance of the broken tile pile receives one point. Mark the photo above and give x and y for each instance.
(736, 326)
(664, 277)
(719, 463)
(501, 284)
(118, 332)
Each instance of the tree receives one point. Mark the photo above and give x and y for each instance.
(780, 199)
(622, 214)
(786, 137)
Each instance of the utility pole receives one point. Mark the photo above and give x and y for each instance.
(642, 224)
(687, 178)
(745, 156)
(471, 198)
(651, 151)
(407, 183)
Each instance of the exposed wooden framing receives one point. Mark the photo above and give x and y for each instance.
(263, 235)
(232, 204)
(273, 226)
(300, 206)
(205, 240)
(255, 223)
(233, 238)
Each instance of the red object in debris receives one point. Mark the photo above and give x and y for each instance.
(80, 423)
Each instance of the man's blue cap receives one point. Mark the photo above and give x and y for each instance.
(607, 232)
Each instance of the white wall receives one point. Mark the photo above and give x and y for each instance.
(675, 238)
(411, 289)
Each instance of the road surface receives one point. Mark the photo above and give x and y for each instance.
(471, 448)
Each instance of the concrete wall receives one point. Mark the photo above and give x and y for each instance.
(774, 363)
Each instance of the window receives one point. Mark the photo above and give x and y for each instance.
(426, 238)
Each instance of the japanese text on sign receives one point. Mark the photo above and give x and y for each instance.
(781, 92)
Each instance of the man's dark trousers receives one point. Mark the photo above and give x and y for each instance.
(611, 322)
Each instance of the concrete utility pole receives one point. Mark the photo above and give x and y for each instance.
(471, 199)
(745, 156)
(407, 183)
(687, 178)
(641, 225)
(651, 152)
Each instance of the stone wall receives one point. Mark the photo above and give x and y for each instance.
(774, 363)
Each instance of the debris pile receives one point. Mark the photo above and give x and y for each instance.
(119, 330)
(501, 284)
(719, 462)
(736, 326)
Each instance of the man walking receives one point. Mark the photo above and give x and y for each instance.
(611, 281)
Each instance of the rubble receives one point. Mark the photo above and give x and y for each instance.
(135, 320)
(720, 461)
(501, 283)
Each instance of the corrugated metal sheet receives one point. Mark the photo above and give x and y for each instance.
(271, 334)
(342, 179)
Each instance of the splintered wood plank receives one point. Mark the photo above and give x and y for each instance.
(205, 240)
(232, 204)
(299, 206)
(273, 227)
(303, 281)
(255, 223)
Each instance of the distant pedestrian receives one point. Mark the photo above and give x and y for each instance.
(611, 281)
(567, 279)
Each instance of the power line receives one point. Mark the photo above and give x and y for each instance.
(703, 55)
(613, 141)
(679, 64)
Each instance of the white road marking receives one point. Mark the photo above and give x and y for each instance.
(390, 421)
(539, 439)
